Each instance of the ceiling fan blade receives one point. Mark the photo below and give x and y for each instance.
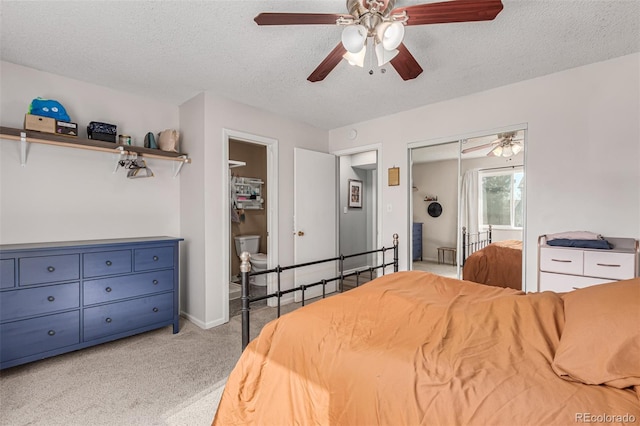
(405, 64)
(451, 11)
(328, 64)
(299, 18)
(476, 148)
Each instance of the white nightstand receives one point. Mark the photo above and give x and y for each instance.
(563, 269)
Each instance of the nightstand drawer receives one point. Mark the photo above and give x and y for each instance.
(32, 336)
(114, 318)
(38, 300)
(560, 283)
(617, 266)
(153, 258)
(111, 289)
(563, 261)
(46, 269)
(106, 263)
(7, 273)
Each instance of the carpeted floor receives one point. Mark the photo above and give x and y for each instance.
(155, 378)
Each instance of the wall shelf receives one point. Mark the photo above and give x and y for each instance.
(30, 136)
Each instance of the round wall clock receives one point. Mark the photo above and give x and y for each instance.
(434, 209)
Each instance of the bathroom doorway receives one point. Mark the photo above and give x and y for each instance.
(252, 195)
(249, 191)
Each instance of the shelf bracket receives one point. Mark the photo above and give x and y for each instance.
(178, 167)
(23, 149)
(121, 155)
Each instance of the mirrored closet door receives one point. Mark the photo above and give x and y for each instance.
(467, 194)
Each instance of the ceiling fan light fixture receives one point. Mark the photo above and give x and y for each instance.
(496, 151)
(356, 59)
(354, 38)
(384, 55)
(516, 148)
(390, 34)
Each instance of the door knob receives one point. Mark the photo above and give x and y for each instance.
(300, 233)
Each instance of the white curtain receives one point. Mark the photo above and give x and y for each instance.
(469, 201)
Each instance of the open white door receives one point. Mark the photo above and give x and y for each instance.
(314, 219)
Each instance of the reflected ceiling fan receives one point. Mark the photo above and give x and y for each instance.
(380, 22)
(505, 146)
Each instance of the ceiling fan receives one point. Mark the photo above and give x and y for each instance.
(505, 146)
(380, 22)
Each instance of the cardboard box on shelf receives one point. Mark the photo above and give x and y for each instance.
(66, 128)
(39, 124)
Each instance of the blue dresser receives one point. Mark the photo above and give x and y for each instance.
(60, 297)
(417, 241)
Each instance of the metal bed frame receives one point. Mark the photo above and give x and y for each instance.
(245, 272)
(472, 242)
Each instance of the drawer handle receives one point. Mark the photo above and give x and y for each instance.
(108, 320)
(109, 263)
(51, 332)
(51, 269)
(155, 309)
(561, 260)
(155, 282)
(155, 258)
(609, 265)
(51, 298)
(108, 289)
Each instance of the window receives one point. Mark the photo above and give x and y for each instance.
(500, 200)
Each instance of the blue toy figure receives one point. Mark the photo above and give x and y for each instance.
(48, 108)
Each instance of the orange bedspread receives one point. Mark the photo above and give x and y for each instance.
(498, 264)
(413, 348)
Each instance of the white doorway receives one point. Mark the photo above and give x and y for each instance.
(359, 223)
(271, 207)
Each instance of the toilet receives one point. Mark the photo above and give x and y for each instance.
(251, 244)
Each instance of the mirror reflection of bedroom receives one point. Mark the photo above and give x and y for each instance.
(468, 198)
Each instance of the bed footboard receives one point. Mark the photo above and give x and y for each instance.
(473, 242)
(245, 273)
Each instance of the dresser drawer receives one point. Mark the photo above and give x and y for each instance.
(153, 258)
(114, 318)
(564, 283)
(111, 289)
(33, 336)
(617, 266)
(563, 261)
(7, 273)
(38, 300)
(106, 263)
(45, 269)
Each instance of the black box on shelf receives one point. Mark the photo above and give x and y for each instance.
(66, 128)
(102, 131)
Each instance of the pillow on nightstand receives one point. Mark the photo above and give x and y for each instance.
(600, 342)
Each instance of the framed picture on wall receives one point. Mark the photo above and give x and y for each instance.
(355, 194)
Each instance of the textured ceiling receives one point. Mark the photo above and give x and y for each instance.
(173, 50)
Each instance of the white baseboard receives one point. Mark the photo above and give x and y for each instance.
(200, 323)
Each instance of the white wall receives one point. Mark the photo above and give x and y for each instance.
(192, 212)
(203, 189)
(72, 194)
(582, 153)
